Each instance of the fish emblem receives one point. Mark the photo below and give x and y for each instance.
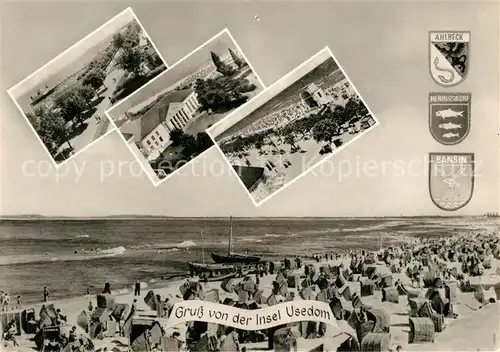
(449, 126)
(449, 113)
(449, 116)
(450, 135)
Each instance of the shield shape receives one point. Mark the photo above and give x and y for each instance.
(451, 179)
(449, 56)
(449, 117)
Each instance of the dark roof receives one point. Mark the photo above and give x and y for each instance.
(154, 116)
(127, 136)
(250, 175)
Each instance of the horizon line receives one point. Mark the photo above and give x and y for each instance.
(137, 216)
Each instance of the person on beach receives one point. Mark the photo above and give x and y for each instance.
(107, 288)
(90, 307)
(134, 307)
(137, 291)
(11, 333)
(45, 294)
(167, 306)
(6, 302)
(19, 302)
(204, 279)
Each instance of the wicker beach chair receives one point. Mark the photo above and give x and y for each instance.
(285, 339)
(228, 285)
(367, 288)
(308, 293)
(437, 319)
(381, 318)
(386, 281)
(341, 307)
(376, 342)
(421, 330)
(415, 305)
(346, 292)
(390, 294)
(349, 345)
(294, 280)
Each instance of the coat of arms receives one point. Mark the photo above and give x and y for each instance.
(449, 55)
(451, 179)
(449, 117)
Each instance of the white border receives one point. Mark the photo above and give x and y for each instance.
(179, 62)
(288, 75)
(9, 91)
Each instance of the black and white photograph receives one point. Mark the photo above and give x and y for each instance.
(299, 121)
(270, 176)
(164, 123)
(65, 100)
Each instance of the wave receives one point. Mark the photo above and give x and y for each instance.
(186, 244)
(280, 234)
(251, 239)
(82, 236)
(181, 245)
(61, 257)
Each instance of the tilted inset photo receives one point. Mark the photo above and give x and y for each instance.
(65, 100)
(164, 123)
(296, 123)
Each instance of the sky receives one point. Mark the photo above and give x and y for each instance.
(178, 71)
(382, 47)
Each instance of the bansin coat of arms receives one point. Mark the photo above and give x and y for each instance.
(451, 179)
(449, 117)
(449, 55)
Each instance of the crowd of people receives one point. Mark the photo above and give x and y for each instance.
(6, 304)
(277, 118)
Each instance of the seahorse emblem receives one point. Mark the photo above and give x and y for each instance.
(449, 70)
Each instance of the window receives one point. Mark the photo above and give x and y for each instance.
(153, 138)
(157, 133)
(161, 139)
(148, 142)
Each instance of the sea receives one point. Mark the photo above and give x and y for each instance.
(70, 256)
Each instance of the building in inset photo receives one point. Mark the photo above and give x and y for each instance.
(65, 100)
(164, 123)
(293, 125)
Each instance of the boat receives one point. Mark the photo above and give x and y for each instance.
(232, 257)
(215, 272)
(218, 271)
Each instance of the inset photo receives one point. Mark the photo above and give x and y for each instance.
(64, 101)
(164, 122)
(295, 124)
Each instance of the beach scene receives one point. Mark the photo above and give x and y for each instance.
(65, 100)
(299, 121)
(393, 284)
(164, 123)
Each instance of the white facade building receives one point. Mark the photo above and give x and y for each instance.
(152, 130)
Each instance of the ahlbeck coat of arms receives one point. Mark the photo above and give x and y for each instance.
(449, 56)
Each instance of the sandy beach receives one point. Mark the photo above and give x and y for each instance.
(475, 327)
